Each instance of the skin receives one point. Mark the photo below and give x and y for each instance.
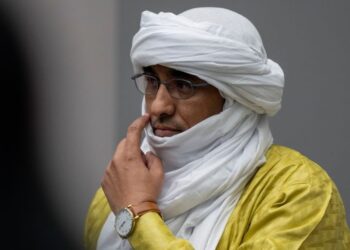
(170, 116)
(133, 177)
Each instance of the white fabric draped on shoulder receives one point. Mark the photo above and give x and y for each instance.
(207, 166)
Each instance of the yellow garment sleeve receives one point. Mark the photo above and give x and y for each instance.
(97, 214)
(332, 231)
(151, 233)
(286, 220)
(290, 204)
(299, 217)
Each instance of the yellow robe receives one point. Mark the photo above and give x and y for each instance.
(290, 203)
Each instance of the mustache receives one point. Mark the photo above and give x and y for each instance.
(166, 122)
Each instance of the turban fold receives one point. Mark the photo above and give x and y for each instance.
(225, 50)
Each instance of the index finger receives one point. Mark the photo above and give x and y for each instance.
(134, 133)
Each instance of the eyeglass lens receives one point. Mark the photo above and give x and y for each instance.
(177, 88)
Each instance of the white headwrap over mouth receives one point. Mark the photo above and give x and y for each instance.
(230, 60)
(207, 166)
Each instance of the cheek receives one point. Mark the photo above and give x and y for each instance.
(199, 110)
(189, 114)
(210, 103)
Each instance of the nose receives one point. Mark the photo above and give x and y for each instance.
(162, 104)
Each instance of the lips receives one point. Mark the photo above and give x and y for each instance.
(162, 131)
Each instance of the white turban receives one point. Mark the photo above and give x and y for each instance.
(217, 45)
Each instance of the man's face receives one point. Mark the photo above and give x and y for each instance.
(170, 116)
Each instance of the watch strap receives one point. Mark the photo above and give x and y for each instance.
(144, 207)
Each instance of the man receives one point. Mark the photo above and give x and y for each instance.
(207, 175)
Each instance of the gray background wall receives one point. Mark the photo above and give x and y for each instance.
(79, 58)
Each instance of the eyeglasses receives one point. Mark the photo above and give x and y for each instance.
(177, 88)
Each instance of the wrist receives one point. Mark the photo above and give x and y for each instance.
(127, 217)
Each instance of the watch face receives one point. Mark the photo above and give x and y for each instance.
(124, 222)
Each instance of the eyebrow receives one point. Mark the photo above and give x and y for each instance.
(173, 72)
(148, 70)
(180, 74)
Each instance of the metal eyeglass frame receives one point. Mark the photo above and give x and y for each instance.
(193, 86)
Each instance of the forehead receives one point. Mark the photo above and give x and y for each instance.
(162, 71)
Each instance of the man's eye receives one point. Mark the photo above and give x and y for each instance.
(183, 86)
(151, 80)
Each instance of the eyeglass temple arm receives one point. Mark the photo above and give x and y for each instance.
(137, 75)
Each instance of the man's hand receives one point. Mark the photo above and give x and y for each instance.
(132, 177)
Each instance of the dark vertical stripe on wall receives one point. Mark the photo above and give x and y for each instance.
(29, 223)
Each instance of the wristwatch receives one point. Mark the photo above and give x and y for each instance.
(125, 219)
